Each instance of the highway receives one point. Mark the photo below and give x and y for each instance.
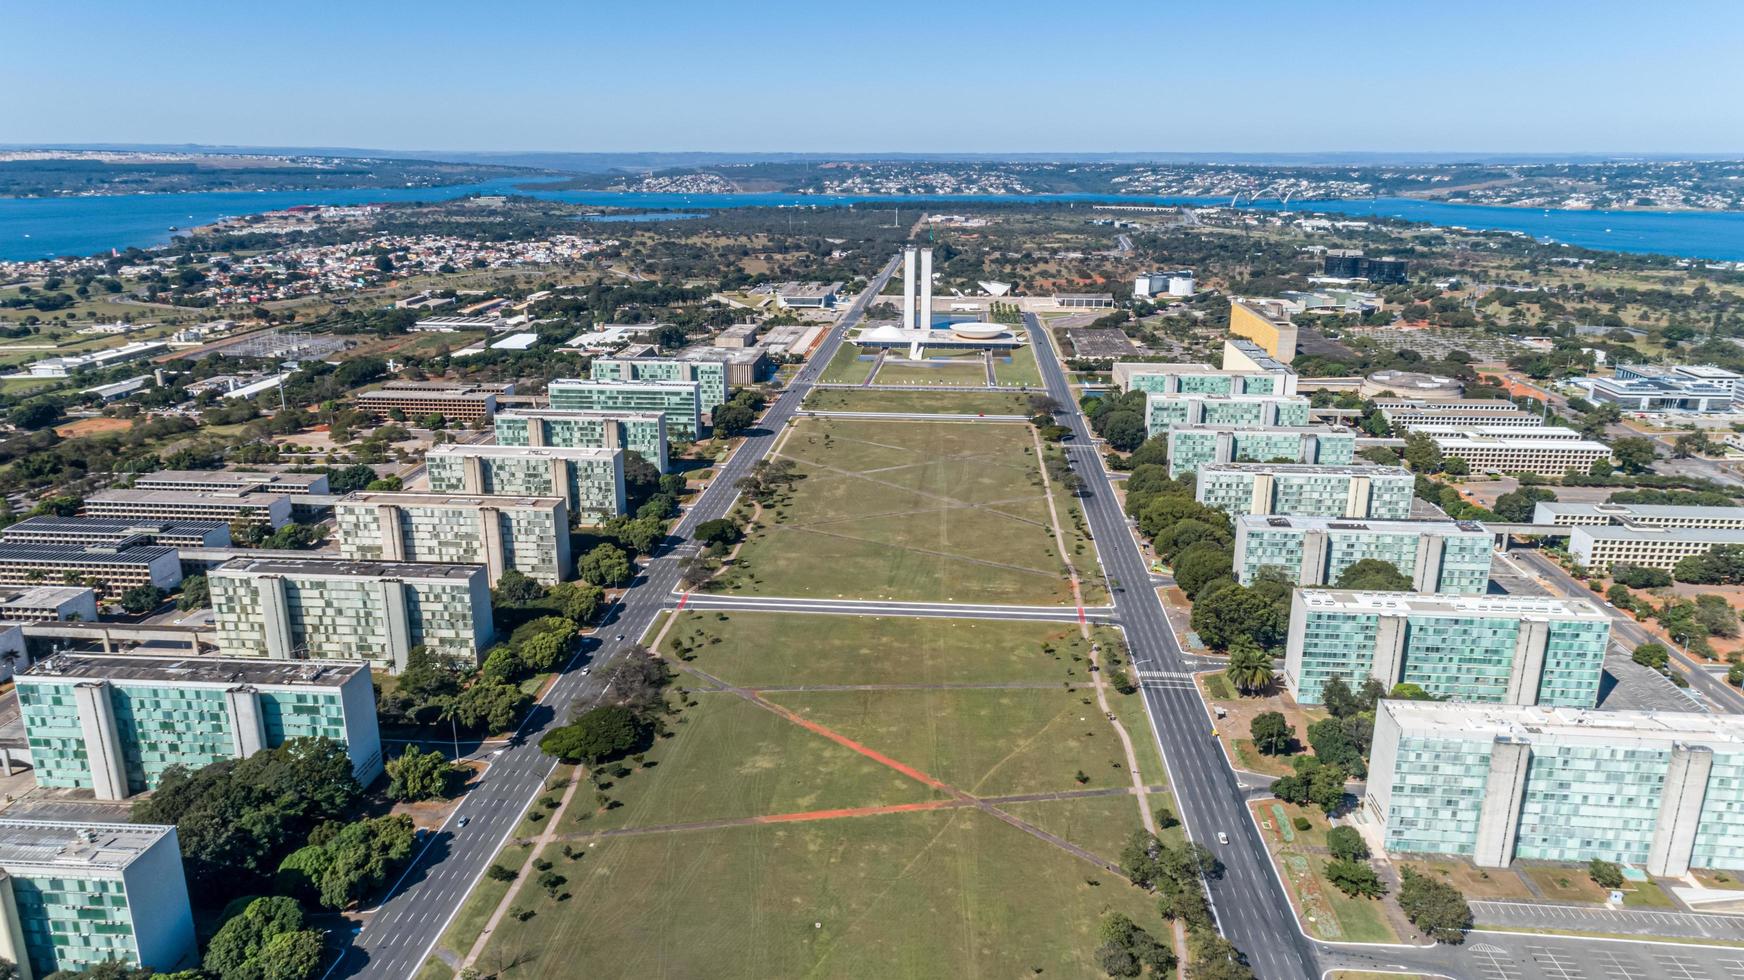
(1249, 902)
(404, 928)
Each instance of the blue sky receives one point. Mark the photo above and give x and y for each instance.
(1253, 76)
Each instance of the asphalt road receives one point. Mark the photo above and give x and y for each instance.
(404, 928)
(1250, 904)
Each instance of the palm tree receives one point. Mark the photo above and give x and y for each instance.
(1250, 668)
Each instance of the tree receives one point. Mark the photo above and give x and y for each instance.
(1422, 453)
(1124, 430)
(350, 479)
(1715, 615)
(419, 775)
(719, 531)
(1271, 733)
(1634, 454)
(1355, 878)
(34, 415)
(516, 589)
(489, 703)
(264, 940)
(1126, 949)
(1374, 575)
(353, 862)
(1407, 691)
(1223, 615)
(1250, 668)
(1691, 444)
(1653, 655)
(578, 600)
(142, 599)
(600, 735)
(1333, 744)
(606, 566)
(195, 593)
(1339, 699)
(731, 420)
(1518, 506)
(1436, 908)
(1640, 576)
(1605, 874)
(1200, 564)
(1722, 565)
(235, 819)
(1346, 844)
(1455, 466)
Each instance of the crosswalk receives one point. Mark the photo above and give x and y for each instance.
(1176, 679)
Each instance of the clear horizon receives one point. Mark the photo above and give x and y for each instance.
(1261, 77)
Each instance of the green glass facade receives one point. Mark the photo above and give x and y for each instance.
(1463, 566)
(1191, 448)
(710, 376)
(160, 726)
(1321, 494)
(643, 434)
(1163, 411)
(1208, 383)
(680, 401)
(593, 486)
(74, 923)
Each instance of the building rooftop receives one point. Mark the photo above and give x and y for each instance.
(1519, 439)
(1444, 604)
(1452, 429)
(186, 496)
(439, 394)
(261, 482)
(400, 499)
(650, 385)
(807, 290)
(44, 596)
(1543, 725)
(351, 568)
(1258, 355)
(579, 413)
(1625, 511)
(1265, 521)
(1637, 532)
(138, 554)
(197, 670)
(1312, 430)
(522, 452)
(118, 527)
(1304, 469)
(1703, 372)
(64, 846)
(1461, 405)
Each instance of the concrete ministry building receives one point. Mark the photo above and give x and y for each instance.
(681, 401)
(231, 481)
(1636, 515)
(1192, 446)
(1307, 490)
(112, 724)
(1500, 649)
(1407, 413)
(115, 532)
(528, 534)
(591, 481)
(48, 604)
(1661, 790)
(710, 377)
(1202, 379)
(1178, 283)
(455, 402)
(1266, 323)
(272, 510)
(1240, 354)
(350, 610)
(110, 571)
(1522, 453)
(1649, 547)
(1442, 430)
(1437, 556)
(77, 895)
(1163, 411)
(643, 433)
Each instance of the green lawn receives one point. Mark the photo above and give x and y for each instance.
(939, 894)
(847, 367)
(730, 759)
(934, 370)
(921, 402)
(988, 742)
(756, 649)
(1021, 370)
(941, 511)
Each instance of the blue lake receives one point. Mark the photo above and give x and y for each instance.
(32, 228)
